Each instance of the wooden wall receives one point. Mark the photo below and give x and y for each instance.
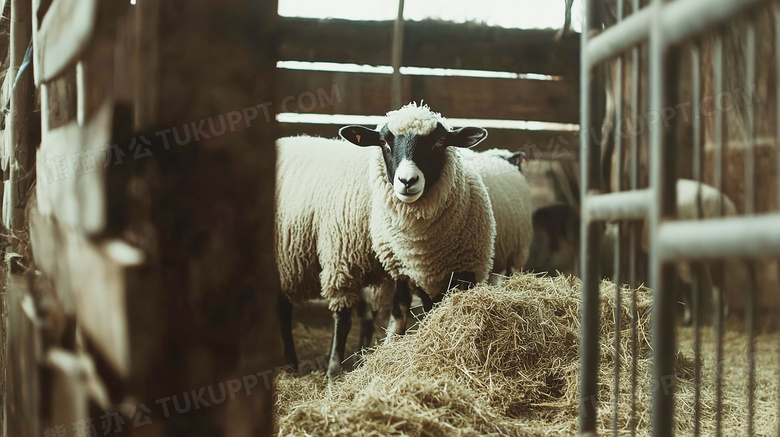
(138, 269)
(436, 44)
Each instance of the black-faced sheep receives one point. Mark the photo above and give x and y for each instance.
(402, 205)
(510, 199)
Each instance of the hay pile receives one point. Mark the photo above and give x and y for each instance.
(490, 361)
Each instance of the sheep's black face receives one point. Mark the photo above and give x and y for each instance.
(414, 162)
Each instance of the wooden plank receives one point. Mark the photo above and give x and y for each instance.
(64, 34)
(90, 284)
(456, 97)
(71, 172)
(61, 100)
(431, 43)
(557, 145)
(23, 393)
(146, 62)
(5, 29)
(213, 288)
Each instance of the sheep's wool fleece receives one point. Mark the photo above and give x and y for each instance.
(449, 229)
(322, 242)
(687, 192)
(413, 119)
(510, 198)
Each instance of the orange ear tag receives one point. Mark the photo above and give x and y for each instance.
(358, 137)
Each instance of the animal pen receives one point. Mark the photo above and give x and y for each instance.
(654, 61)
(138, 247)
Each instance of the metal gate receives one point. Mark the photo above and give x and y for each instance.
(666, 32)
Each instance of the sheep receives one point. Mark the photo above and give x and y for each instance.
(687, 194)
(399, 206)
(510, 199)
(518, 158)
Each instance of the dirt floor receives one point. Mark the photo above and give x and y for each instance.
(503, 361)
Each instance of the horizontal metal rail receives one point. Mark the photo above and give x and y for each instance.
(676, 21)
(619, 38)
(617, 206)
(754, 236)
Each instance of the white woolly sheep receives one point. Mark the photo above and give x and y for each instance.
(510, 199)
(687, 193)
(401, 205)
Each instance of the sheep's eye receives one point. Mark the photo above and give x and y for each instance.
(383, 143)
(439, 143)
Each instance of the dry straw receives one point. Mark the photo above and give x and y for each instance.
(502, 361)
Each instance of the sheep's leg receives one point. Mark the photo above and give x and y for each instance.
(427, 302)
(288, 344)
(342, 323)
(463, 280)
(367, 316)
(460, 281)
(402, 302)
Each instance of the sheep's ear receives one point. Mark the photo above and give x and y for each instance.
(517, 159)
(467, 136)
(360, 136)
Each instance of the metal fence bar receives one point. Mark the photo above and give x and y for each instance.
(616, 183)
(750, 75)
(695, 284)
(616, 206)
(717, 66)
(620, 37)
(617, 314)
(754, 236)
(591, 106)
(777, 120)
(663, 303)
(683, 19)
(776, 10)
(676, 23)
(632, 227)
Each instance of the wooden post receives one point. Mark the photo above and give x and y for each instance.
(18, 124)
(398, 50)
(19, 395)
(203, 314)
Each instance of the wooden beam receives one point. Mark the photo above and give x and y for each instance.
(456, 97)
(20, 123)
(555, 145)
(431, 43)
(397, 57)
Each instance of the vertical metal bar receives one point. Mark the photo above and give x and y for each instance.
(717, 66)
(776, 10)
(750, 74)
(695, 285)
(398, 47)
(591, 109)
(663, 65)
(617, 82)
(632, 227)
(777, 118)
(617, 314)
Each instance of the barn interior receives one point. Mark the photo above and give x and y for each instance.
(139, 285)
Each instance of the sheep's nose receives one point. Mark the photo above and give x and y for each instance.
(409, 182)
